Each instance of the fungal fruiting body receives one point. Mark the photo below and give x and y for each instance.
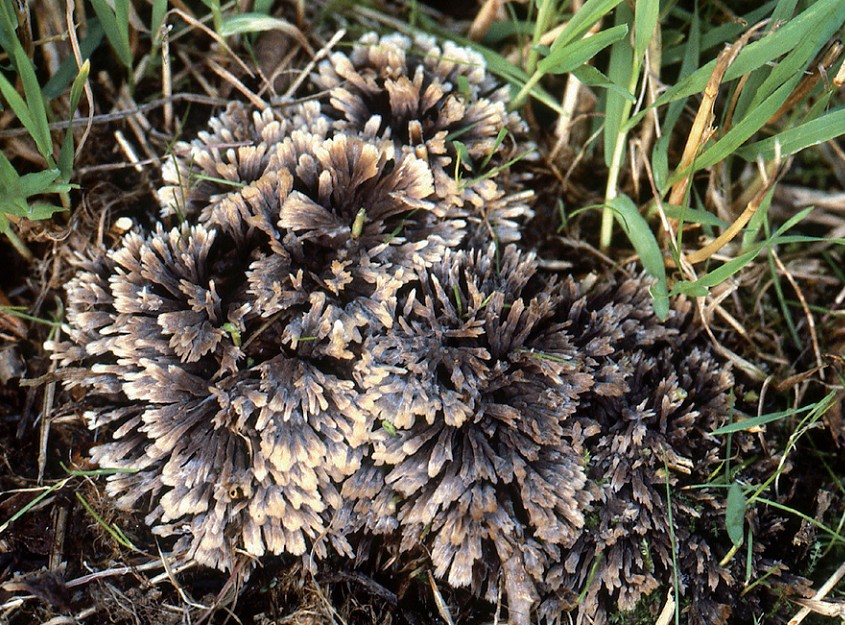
(233, 450)
(529, 428)
(342, 340)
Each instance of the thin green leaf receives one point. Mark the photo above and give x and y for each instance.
(792, 64)
(14, 205)
(621, 72)
(735, 514)
(797, 138)
(254, 23)
(42, 210)
(68, 70)
(660, 154)
(645, 20)
(567, 58)
(756, 422)
(592, 77)
(40, 130)
(8, 175)
(18, 106)
(116, 29)
(67, 152)
(688, 214)
(38, 498)
(8, 27)
(114, 530)
(584, 19)
(157, 19)
(37, 183)
(719, 35)
(821, 19)
(644, 242)
(741, 132)
(689, 289)
(720, 274)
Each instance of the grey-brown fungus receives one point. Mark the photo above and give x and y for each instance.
(233, 449)
(527, 428)
(439, 102)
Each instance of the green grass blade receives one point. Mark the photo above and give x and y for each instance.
(18, 105)
(254, 23)
(37, 183)
(820, 20)
(645, 20)
(592, 77)
(114, 531)
(742, 131)
(756, 422)
(620, 72)
(9, 178)
(583, 19)
(34, 502)
(66, 155)
(566, 58)
(68, 70)
(645, 243)
(797, 138)
(116, 26)
(719, 35)
(688, 214)
(512, 74)
(157, 19)
(40, 130)
(735, 514)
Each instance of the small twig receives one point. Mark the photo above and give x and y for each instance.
(166, 77)
(110, 117)
(811, 324)
(89, 94)
(822, 592)
(442, 608)
(60, 514)
(229, 77)
(321, 54)
(120, 570)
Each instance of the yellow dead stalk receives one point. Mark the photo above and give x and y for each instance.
(702, 127)
(723, 239)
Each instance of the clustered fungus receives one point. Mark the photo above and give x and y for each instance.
(342, 337)
(235, 455)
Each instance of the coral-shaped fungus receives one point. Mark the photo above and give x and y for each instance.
(220, 350)
(439, 102)
(313, 332)
(234, 449)
(655, 441)
(233, 152)
(516, 414)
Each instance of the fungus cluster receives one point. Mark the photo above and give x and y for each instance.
(343, 338)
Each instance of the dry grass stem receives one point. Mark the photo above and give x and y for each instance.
(811, 323)
(823, 591)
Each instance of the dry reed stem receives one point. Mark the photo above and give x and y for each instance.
(829, 585)
(484, 19)
(229, 77)
(319, 56)
(734, 229)
(702, 127)
(89, 94)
